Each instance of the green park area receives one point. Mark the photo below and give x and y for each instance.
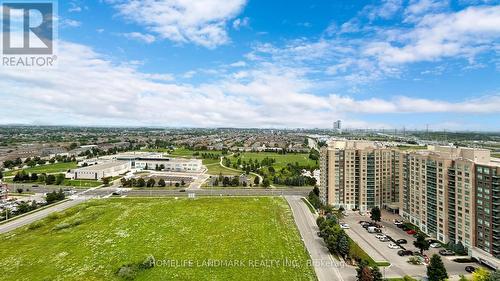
(281, 160)
(147, 239)
(47, 169)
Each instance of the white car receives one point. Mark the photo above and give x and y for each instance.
(435, 245)
(345, 226)
(393, 246)
(384, 239)
(380, 236)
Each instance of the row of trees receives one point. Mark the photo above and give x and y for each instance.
(23, 177)
(55, 196)
(335, 237)
(151, 182)
(228, 181)
(32, 162)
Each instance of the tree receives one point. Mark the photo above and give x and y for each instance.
(23, 208)
(364, 273)
(256, 181)
(60, 179)
(421, 243)
(343, 245)
(266, 183)
(141, 182)
(1, 174)
(34, 177)
(50, 179)
(481, 274)
(436, 270)
(151, 182)
(20, 190)
(375, 214)
(106, 180)
(377, 275)
(161, 183)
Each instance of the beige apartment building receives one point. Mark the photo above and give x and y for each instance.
(359, 176)
(451, 194)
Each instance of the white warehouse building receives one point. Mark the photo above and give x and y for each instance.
(97, 172)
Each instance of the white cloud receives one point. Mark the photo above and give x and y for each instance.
(146, 38)
(386, 10)
(240, 23)
(238, 64)
(462, 34)
(70, 23)
(87, 89)
(202, 22)
(419, 7)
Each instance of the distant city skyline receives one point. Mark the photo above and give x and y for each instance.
(254, 64)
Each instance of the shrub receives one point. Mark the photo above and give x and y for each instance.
(35, 225)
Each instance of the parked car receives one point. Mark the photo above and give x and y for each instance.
(344, 226)
(385, 239)
(411, 232)
(403, 253)
(380, 236)
(446, 253)
(435, 245)
(35, 185)
(396, 222)
(393, 246)
(363, 222)
(366, 225)
(470, 269)
(401, 241)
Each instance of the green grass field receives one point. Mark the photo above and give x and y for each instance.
(215, 169)
(81, 183)
(51, 168)
(94, 240)
(281, 160)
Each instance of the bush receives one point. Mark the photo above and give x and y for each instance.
(35, 225)
(61, 226)
(130, 271)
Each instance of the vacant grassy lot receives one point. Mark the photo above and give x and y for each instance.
(48, 169)
(94, 240)
(282, 160)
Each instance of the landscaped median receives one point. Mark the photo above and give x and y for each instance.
(356, 251)
(160, 239)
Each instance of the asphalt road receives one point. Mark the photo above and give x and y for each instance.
(28, 219)
(219, 192)
(325, 266)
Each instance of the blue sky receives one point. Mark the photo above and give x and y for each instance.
(255, 63)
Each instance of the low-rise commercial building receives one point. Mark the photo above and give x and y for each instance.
(105, 170)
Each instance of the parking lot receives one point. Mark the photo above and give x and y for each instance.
(380, 251)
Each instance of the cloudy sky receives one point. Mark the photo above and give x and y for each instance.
(261, 63)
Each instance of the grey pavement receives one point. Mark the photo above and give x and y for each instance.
(325, 266)
(218, 192)
(30, 218)
(379, 251)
